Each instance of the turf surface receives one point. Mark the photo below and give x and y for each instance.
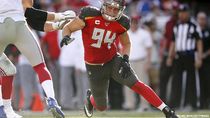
(117, 114)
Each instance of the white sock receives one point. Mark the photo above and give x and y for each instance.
(7, 103)
(48, 88)
(1, 100)
(162, 106)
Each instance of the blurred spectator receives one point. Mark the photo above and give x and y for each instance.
(204, 70)
(165, 71)
(186, 39)
(81, 79)
(67, 62)
(155, 56)
(132, 8)
(160, 16)
(140, 60)
(73, 76)
(95, 3)
(144, 7)
(46, 5)
(73, 4)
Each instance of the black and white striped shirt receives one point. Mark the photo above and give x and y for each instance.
(185, 36)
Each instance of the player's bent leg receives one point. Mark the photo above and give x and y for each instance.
(99, 103)
(27, 43)
(7, 68)
(91, 104)
(97, 96)
(47, 84)
(141, 88)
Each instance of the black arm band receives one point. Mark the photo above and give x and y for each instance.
(36, 18)
(36, 14)
(35, 24)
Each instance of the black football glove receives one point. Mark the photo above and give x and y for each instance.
(66, 40)
(125, 69)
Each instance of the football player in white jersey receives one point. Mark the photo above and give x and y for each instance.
(14, 30)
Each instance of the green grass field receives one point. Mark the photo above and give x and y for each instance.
(117, 114)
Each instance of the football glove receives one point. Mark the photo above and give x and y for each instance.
(69, 14)
(66, 40)
(125, 69)
(59, 24)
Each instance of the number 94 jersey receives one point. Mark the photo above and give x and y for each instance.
(99, 35)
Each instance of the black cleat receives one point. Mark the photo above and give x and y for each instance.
(169, 113)
(88, 108)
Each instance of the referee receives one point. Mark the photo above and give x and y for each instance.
(186, 49)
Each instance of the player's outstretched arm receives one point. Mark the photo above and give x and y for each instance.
(37, 18)
(76, 24)
(45, 15)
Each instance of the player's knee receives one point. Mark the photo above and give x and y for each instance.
(7, 68)
(42, 72)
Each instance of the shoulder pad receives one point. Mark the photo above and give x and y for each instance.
(89, 12)
(125, 21)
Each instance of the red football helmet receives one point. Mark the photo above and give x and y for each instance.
(112, 9)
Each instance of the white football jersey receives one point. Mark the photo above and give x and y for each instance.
(12, 9)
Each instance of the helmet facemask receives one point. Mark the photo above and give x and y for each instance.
(112, 10)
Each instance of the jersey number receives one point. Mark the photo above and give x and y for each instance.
(98, 34)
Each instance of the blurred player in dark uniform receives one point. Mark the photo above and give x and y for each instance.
(100, 29)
